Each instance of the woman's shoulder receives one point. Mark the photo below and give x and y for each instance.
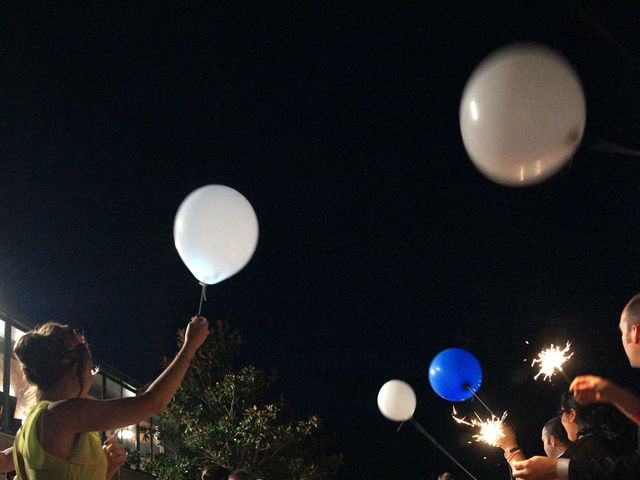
(34, 413)
(60, 415)
(38, 406)
(590, 447)
(68, 405)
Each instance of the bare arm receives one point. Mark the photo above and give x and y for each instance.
(86, 415)
(590, 388)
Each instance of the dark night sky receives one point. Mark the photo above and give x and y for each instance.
(380, 243)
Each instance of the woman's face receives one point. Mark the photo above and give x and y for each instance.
(75, 340)
(568, 420)
(87, 379)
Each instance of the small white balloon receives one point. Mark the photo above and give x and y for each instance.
(522, 114)
(215, 232)
(397, 400)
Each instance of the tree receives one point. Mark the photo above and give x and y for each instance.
(225, 416)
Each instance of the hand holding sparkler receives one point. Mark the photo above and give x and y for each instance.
(508, 443)
(508, 439)
(551, 361)
(590, 388)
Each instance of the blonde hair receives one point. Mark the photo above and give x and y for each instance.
(45, 355)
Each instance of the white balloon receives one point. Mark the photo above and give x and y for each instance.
(397, 400)
(522, 114)
(215, 232)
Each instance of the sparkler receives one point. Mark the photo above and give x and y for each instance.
(551, 361)
(490, 430)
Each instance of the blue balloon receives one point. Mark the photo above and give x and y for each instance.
(455, 374)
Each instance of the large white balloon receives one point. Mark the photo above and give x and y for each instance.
(215, 232)
(522, 114)
(397, 400)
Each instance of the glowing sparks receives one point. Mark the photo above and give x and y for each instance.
(490, 429)
(551, 361)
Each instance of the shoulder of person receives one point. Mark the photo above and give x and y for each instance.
(68, 406)
(591, 447)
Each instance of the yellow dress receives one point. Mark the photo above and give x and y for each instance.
(87, 462)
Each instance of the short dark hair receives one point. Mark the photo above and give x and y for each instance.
(632, 310)
(554, 427)
(215, 472)
(600, 419)
(445, 476)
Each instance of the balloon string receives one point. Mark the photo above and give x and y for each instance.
(421, 429)
(608, 147)
(480, 400)
(203, 296)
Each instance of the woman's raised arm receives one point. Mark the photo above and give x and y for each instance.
(87, 415)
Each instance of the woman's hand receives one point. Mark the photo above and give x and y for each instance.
(196, 334)
(115, 454)
(509, 439)
(590, 389)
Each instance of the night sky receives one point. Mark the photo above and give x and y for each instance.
(380, 243)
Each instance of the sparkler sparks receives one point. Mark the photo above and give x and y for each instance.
(490, 429)
(551, 361)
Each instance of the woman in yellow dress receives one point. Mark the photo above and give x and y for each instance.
(58, 439)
